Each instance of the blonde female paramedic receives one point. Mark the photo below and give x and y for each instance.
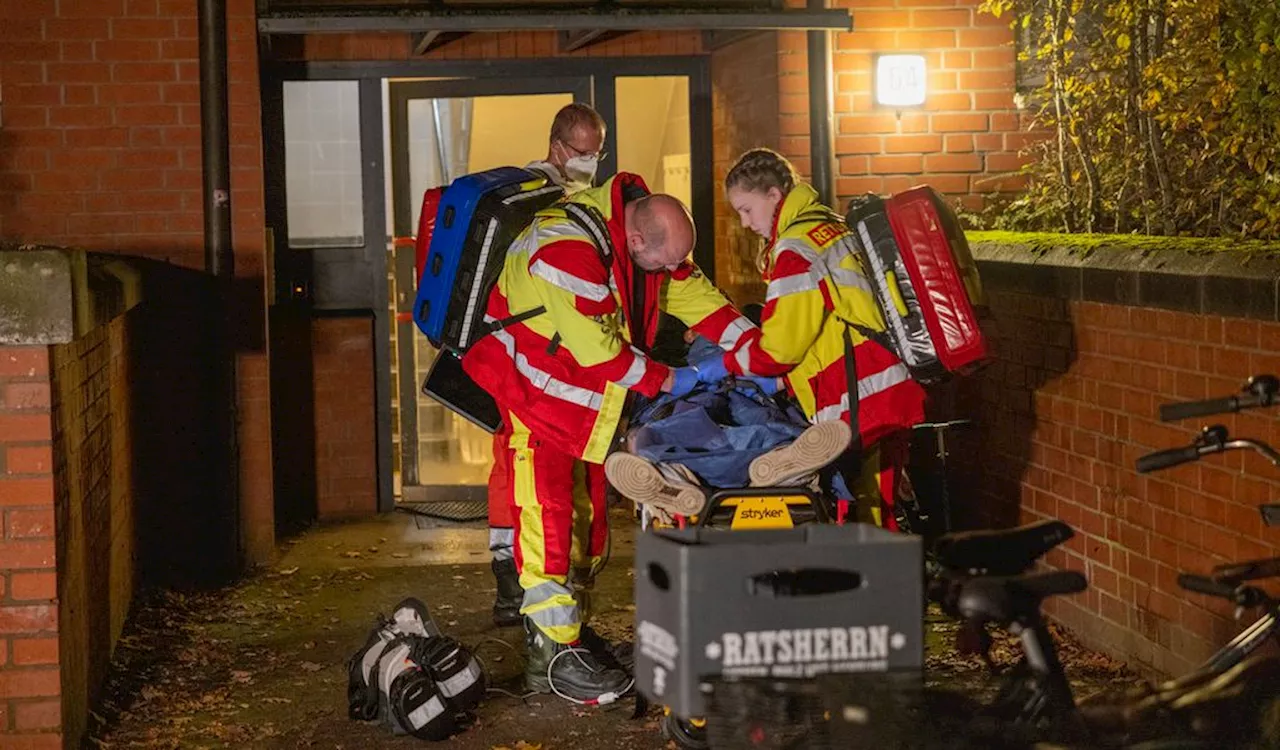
(818, 330)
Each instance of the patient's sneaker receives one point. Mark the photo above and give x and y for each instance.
(671, 488)
(816, 447)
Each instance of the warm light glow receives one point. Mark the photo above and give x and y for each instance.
(900, 80)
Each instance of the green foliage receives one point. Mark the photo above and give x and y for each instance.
(1159, 116)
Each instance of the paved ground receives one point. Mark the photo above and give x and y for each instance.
(262, 664)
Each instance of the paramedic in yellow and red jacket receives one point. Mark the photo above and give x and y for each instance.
(562, 378)
(574, 148)
(817, 295)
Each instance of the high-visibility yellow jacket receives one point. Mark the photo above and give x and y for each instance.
(818, 294)
(565, 373)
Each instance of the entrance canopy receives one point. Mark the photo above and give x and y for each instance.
(580, 23)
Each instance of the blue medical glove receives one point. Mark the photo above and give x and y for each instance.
(684, 380)
(711, 370)
(769, 385)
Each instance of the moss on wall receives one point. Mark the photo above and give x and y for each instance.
(1086, 244)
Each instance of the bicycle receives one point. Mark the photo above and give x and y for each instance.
(1219, 703)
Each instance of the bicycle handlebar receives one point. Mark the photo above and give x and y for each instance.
(1236, 573)
(1241, 596)
(1189, 409)
(1261, 390)
(1166, 458)
(1211, 442)
(1206, 586)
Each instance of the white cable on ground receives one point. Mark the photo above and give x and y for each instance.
(602, 700)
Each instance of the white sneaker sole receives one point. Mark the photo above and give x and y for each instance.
(641, 481)
(816, 447)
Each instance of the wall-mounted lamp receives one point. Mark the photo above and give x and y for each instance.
(900, 80)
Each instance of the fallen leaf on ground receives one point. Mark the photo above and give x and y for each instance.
(311, 666)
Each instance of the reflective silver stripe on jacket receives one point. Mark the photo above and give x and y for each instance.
(867, 387)
(734, 332)
(568, 282)
(636, 371)
(788, 285)
(543, 380)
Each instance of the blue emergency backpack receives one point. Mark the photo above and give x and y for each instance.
(477, 218)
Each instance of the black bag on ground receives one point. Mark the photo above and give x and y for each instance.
(409, 618)
(455, 670)
(415, 679)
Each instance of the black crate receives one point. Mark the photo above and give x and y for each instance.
(791, 604)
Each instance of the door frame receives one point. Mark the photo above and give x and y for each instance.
(471, 75)
(291, 295)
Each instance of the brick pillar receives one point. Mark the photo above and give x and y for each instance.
(346, 465)
(30, 687)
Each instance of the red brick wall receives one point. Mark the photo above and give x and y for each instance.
(961, 141)
(346, 466)
(94, 508)
(100, 150)
(744, 80)
(1064, 412)
(29, 681)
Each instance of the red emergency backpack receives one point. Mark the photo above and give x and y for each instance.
(924, 279)
(426, 228)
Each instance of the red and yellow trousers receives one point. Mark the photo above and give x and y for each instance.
(502, 534)
(556, 506)
(880, 480)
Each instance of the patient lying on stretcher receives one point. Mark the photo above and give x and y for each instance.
(725, 436)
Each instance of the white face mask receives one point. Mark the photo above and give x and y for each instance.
(582, 169)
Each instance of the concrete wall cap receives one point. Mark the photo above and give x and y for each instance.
(1167, 255)
(35, 296)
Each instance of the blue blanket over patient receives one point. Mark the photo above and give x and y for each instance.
(715, 431)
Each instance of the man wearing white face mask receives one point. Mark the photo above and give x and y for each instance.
(573, 154)
(574, 151)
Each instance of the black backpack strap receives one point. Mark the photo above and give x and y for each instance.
(511, 320)
(591, 221)
(851, 375)
(880, 337)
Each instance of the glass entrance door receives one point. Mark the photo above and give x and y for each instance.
(441, 130)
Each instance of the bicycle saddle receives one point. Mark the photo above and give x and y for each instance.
(1002, 552)
(1008, 599)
